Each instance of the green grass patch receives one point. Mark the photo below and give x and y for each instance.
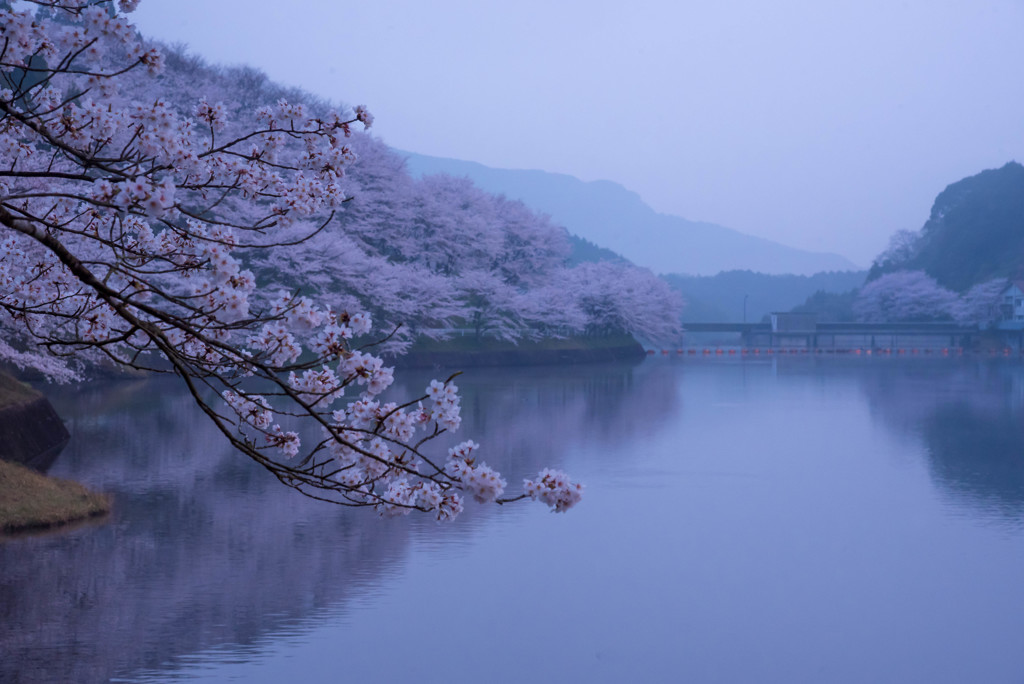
(30, 500)
(469, 343)
(13, 391)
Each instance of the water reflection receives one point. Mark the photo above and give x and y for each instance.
(203, 548)
(970, 416)
(785, 510)
(979, 459)
(967, 412)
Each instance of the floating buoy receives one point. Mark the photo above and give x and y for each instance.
(691, 351)
(732, 351)
(718, 352)
(650, 352)
(757, 351)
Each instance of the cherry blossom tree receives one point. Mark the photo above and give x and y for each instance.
(123, 220)
(980, 305)
(407, 299)
(617, 299)
(489, 305)
(903, 247)
(532, 248)
(905, 296)
(552, 310)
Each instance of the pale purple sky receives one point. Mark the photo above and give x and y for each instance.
(820, 124)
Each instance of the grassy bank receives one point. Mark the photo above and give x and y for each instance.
(13, 391)
(29, 500)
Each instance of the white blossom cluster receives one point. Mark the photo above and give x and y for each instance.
(554, 488)
(480, 480)
(125, 225)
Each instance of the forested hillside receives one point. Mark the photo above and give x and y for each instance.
(425, 255)
(724, 297)
(975, 233)
(955, 267)
(617, 218)
(584, 250)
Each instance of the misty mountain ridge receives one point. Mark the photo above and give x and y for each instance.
(616, 218)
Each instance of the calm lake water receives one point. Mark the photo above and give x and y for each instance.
(787, 520)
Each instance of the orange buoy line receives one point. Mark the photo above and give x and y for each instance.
(856, 351)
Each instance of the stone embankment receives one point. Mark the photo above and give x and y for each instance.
(32, 435)
(31, 432)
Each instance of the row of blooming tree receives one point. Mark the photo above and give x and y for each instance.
(424, 256)
(916, 296)
(132, 226)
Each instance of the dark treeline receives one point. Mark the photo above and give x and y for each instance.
(720, 298)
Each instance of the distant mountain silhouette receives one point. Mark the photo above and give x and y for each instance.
(611, 216)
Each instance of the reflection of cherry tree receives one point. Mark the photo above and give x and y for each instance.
(200, 539)
(968, 418)
(125, 217)
(197, 538)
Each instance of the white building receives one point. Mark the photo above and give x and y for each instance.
(1012, 301)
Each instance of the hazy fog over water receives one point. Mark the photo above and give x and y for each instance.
(826, 126)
